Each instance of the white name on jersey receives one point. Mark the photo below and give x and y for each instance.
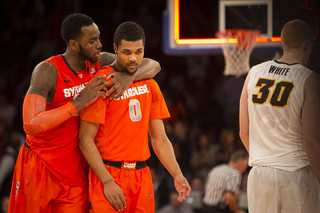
(278, 70)
(131, 92)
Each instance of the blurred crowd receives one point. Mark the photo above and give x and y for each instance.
(203, 103)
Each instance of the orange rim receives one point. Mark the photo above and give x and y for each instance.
(234, 33)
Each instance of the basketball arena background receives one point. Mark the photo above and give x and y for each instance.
(192, 80)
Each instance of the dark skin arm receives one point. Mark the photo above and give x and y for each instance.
(112, 191)
(43, 83)
(148, 68)
(107, 58)
(44, 79)
(164, 151)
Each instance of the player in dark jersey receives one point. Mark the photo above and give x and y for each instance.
(50, 173)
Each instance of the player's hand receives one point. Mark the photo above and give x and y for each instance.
(114, 195)
(120, 81)
(182, 187)
(96, 88)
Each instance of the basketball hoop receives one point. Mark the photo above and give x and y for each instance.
(236, 49)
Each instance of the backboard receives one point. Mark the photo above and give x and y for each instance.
(189, 27)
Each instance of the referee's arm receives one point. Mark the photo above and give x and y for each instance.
(232, 201)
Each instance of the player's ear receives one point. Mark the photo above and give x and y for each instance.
(74, 44)
(281, 45)
(115, 48)
(305, 45)
(309, 45)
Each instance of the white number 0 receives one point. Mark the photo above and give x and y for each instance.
(134, 110)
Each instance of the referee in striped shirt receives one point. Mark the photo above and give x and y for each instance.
(223, 184)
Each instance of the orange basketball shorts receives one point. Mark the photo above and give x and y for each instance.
(136, 185)
(34, 189)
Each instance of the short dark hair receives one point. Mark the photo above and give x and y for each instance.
(71, 26)
(129, 31)
(238, 156)
(295, 32)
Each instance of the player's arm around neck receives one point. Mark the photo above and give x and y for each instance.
(148, 69)
(164, 151)
(107, 58)
(311, 122)
(244, 116)
(90, 151)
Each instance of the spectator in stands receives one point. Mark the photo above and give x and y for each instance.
(175, 206)
(182, 147)
(203, 157)
(160, 187)
(227, 145)
(196, 195)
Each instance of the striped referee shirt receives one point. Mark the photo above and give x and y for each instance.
(221, 179)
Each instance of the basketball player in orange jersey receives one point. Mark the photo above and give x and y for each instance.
(50, 173)
(279, 126)
(114, 136)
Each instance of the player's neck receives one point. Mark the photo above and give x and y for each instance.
(74, 61)
(117, 66)
(293, 58)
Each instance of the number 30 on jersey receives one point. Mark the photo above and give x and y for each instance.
(280, 95)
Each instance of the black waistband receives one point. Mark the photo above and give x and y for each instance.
(118, 164)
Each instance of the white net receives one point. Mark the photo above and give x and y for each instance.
(237, 52)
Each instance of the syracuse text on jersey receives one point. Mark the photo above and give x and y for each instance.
(74, 91)
(131, 92)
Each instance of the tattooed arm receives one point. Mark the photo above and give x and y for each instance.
(107, 58)
(36, 119)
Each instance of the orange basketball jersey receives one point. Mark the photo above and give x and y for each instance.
(123, 131)
(58, 148)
